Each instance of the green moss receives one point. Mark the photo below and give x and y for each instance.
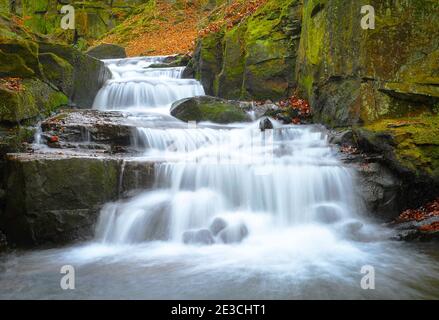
(35, 99)
(208, 109)
(416, 141)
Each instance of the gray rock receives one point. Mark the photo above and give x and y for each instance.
(380, 189)
(202, 236)
(107, 51)
(234, 233)
(265, 124)
(89, 74)
(326, 214)
(206, 108)
(217, 226)
(345, 137)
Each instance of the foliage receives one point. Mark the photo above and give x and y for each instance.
(12, 83)
(231, 15)
(428, 211)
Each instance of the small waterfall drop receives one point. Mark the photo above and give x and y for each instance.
(138, 86)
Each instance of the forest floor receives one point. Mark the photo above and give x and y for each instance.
(162, 30)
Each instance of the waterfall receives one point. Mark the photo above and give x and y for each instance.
(289, 175)
(137, 85)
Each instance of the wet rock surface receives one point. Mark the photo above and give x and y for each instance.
(207, 108)
(53, 198)
(107, 51)
(201, 237)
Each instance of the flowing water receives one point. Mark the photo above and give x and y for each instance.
(295, 226)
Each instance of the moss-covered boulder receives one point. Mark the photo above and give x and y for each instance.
(89, 74)
(356, 76)
(31, 99)
(18, 57)
(256, 58)
(107, 51)
(53, 199)
(58, 71)
(92, 18)
(208, 108)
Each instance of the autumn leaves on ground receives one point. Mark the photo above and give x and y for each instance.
(163, 28)
(159, 28)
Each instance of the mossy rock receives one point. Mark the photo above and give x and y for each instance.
(355, 76)
(210, 109)
(107, 51)
(18, 58)
(34, 99)
(58, 71)
(89, 74)
(414, 140)
(256, 58)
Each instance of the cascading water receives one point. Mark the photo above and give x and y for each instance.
(289, 176)
(270, 214)
(138, 86)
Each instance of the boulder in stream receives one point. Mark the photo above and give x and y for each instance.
(265, 124)
(234, 233)
(217, 225)
(203, 236)
(206, 108)
(107, 51)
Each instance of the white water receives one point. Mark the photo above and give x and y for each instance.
(278, 183)
(136, 87)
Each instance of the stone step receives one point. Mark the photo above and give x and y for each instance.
(56, 198)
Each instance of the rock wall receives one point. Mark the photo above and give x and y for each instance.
(56, 199)
(256, 58)
(93, 18)
(355, 76)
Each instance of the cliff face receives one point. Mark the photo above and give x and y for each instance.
(355, 76)
(93, 18)
(254, 59)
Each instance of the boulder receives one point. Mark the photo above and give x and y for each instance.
(53, 199)
(3, 242)
(29, 99)
(107, 51)
(265, 124)
(353, 76)
(327, 214)
(89, 74)
(256, 58)
(203, 237)
(206, 108)
(217, 225)
(235, 233)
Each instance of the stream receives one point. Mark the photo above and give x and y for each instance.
(235, 213)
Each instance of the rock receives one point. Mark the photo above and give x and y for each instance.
(390, 82)
(254, 60)
(265, 124)
(217, 226)
(89, 74)
(180, 60)
(203, 236)
(327, 214)
(58, 71)
(206, 108)
(234, 233)
(352, 228)
(53, 199)
(342, 138)
(107, 51)
(416, 230)
(3, 242)
(35, 98)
